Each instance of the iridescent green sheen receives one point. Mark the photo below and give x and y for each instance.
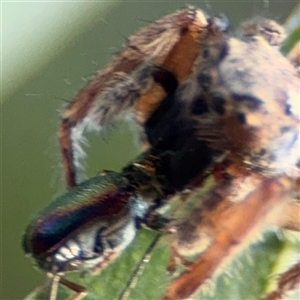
(100, 197)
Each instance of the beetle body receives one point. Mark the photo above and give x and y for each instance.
(93, 223)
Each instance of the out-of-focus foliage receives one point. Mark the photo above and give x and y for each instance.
(35, 33)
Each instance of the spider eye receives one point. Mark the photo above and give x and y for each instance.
(199, 105)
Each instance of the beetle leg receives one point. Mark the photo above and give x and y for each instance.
(116, 88)
(78, 289)
(139, 269)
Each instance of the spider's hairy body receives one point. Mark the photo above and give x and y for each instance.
(249, 110)
(207, 104)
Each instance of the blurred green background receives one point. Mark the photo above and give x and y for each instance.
(50, 50)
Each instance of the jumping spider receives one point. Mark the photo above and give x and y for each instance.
(207, 104)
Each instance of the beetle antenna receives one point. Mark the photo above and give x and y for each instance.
(53, 287)
(139, 269)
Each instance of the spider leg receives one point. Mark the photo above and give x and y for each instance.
(117, 87)
(96, 108)
(290, 220)
(239, 223)
(289, 280)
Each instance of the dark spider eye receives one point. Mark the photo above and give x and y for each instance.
(199, 105)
